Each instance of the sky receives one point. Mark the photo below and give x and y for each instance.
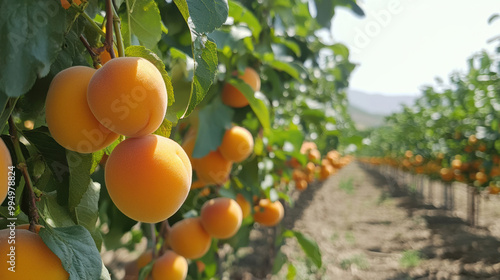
(402, 45)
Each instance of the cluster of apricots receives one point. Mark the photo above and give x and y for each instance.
(214, 168)
(329, 165)
(191, 238)
(148, 177)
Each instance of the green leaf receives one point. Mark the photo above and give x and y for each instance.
(309, 246)
(31, 34)
(76, 249)
(143, 20)
(140, 51)
(207, 15)
(278, 263)
(240, 14)
(215, 119)
(256, 100)
(205, 57)
(182, 82)
(53, 213)
(292, 272)
(165, 129)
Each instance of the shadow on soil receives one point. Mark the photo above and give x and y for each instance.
(472, 247)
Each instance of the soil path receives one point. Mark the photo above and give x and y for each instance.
(367, 229)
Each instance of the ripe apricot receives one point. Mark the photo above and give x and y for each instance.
(128, 96)
(301, 184)
(237, 144)
(66, 4)
(170, 266)
(221, 217)
(189, 239)
(212, 168)
(6, 161)
(105, 56)
(148, 178)
(32, 257)
(232, 97)
(244, 204)
(69, 118)
(268, 213)
(314, 155)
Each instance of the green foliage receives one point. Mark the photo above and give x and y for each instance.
(76, 249)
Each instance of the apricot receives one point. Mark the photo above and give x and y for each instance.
(189, 239)
(33, 259)
(221, 217)
(212, 168)
(6, 161)
(244, 205)
(232, 97)
(105, 56)
(66, 4)
(301, 184)
(170, 266)
(128, 96)
(237, 144)
(144, 259)
(268, 213)
(148, 178)
(69, 118)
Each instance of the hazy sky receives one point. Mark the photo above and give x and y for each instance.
(401, 45)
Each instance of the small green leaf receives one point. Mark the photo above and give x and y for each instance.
(215, 119)
(140, 51)
(278, 263)
(256, 102)
(76, 249)
(292, 272)
(164, 129)
(207, 15)
(143, 20)
(240, 14)
(309, 246)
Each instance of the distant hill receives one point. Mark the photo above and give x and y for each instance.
(378, 103)
(363, 119)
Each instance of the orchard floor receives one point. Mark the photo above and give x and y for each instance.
(368, 229)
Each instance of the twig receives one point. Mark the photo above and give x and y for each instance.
(109, 28)
(21, 164)
(91, 51)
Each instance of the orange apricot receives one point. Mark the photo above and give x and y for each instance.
(128, 96)
(32, 257)
(221, 217)
(170, 266)
(189, 239)
(148, 178)
(232, 97)
(69, 118)
(66, 4)
(237, 144)
(301, 184)
(212, 168)
(144, 259)
(244, 204)
(314, 155)
(268, 213)
(6, 161)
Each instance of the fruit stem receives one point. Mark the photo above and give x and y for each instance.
(118, 34)
(153, 238)
(164, 230)
(21, 164)
(92, 22)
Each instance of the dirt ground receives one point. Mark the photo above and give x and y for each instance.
(368, 227)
